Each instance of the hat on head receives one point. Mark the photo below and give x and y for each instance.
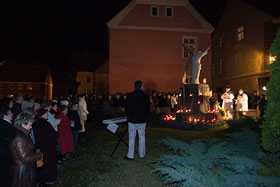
(40, 112)
(54, 101)
(65, 102)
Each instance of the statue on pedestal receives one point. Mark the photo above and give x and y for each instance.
(195, 59)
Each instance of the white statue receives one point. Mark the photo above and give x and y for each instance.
(196, 66)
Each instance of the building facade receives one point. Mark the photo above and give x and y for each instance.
(90, 73)
(101, 79)
(27, 79)
(150, 41)
(240, 47)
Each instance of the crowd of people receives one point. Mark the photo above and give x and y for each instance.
(237, 105)
(47, 132)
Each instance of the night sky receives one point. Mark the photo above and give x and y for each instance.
(33, 30)
(48, 31)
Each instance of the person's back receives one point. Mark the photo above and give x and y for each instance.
(137, 110)
(137, 107)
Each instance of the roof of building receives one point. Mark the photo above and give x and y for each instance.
(15, 72)
(115, 21)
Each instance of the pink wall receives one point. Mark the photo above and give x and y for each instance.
(140, 15)
(155, 57)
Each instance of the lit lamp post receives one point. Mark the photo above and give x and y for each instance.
(272, 59)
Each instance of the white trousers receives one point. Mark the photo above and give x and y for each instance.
(140, 128)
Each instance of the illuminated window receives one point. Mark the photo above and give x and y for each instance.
(19, 86)
(37, 87)
(12, 86)
(240, 33)
(29, 87)
(222, 41)
(88, 79)
(1, 86)
(189, 46)
(222, 67)
(154, 10)
(168, 12)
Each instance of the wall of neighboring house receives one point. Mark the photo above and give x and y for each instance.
(101, 79)
(150, 48)
(86, 82)
(238, 48)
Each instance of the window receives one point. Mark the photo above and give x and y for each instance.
(240, 33)
(169, 12)
(88, 79)
(12, 86)
(37, 87)
(1, 86)
(154, 10)
(222, 41)
(29, 87)
(222, 67)
(189, 46)
(19, 86)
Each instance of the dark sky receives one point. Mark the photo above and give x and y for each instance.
(50, 30)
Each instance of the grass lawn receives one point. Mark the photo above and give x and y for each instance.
(95, 166)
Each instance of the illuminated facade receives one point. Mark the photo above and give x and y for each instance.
(91, 73)
(240, 47)
(146, 43)
(27, 79)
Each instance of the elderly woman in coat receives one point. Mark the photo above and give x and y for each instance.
(22, 153)
(46, 138)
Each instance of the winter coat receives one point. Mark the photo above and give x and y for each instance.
(23, 157)
(6, 130)
(46, 139)
(74, 116)
(65, 138)
(16, 109)
(137, 107)
(83, 108)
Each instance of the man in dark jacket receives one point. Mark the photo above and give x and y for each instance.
(137, 110)
(74, 116)
(6, 129)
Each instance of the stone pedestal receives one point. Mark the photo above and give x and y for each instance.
(196, 97)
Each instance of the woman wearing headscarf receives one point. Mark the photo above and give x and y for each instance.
(46, 138)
